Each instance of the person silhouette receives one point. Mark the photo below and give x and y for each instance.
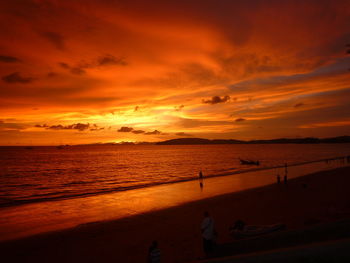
(278, 179)
(200, 175)
(208, 234)
(154, 253)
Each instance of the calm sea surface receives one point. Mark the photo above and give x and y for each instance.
(50, 173)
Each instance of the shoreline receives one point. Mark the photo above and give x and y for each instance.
(18, 203)
(177, 228)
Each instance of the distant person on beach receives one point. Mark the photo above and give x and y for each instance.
(278, 179)
(208, 234)
(285, 178)
(200, 176)
(154, 253)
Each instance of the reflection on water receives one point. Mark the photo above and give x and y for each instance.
(47, 216)
(48, 173)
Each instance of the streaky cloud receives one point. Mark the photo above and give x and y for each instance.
(217, 99)
(9, 59)
(16, 77)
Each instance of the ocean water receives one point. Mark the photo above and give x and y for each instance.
(49, 173)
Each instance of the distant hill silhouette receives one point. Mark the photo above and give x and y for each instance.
(194, 141)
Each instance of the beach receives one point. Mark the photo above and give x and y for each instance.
(306, 201)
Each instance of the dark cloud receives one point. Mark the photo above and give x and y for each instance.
(155, 132)
(77, 71)
(338, 67)
(52, 74)
(97, 129)
(41, 126)
(125, 129)
(136, 108)
(75, 126)
(109, 60)
(138, 131)
(55, 39)
(182, 134)
(64, 65)
(178, 108)
(299, 105)
(74, 70)
(8, 59)
(240, 120)
(5, 126)
(216, 100)
(17, 78)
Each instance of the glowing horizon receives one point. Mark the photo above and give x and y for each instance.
(75, 72)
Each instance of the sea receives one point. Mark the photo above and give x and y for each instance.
(40, 174)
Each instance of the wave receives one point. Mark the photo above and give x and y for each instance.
(62, 195)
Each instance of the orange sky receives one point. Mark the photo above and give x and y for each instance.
(88, 71)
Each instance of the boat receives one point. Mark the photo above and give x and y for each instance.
(249, 162)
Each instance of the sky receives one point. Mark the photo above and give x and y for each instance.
(89, 71)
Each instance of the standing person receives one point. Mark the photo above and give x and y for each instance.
(200, 175)
(153, 253)
(278, 179)
(208, 234)
(285, 173)
(200, 180)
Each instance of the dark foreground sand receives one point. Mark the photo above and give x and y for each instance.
(307, 201)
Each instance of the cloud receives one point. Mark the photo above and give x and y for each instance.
(182, 134)
(299, 105)
(79, 68)
(41, 126)
(138, 131)
(240, 120)
(77, 71)
(17, 78)
(178, 108)
(4, 126)
(196, 123)
(109, 60)
(51, 74)
(125, 129)
(129, 129)
(74, 70)
(8, 59)
(97, 129)
(155, 132)
(216, 100)
(75, 126)
(55, 39)
(64, 65)
(136, 108)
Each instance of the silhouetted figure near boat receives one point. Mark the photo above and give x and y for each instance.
(285, 179)
(208, 234)
(154, 253)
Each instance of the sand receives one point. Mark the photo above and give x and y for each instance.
(310, 200)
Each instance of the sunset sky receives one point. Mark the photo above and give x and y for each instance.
(87, 71)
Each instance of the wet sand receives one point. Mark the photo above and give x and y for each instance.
(309, 200)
